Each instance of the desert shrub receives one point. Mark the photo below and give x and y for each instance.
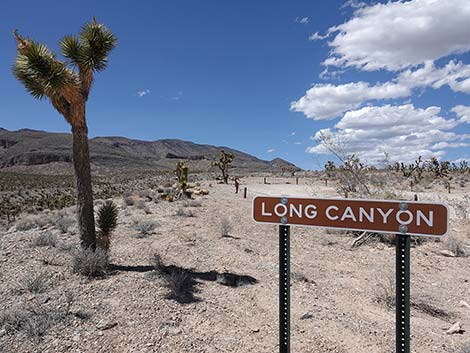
(106, 222)
(184, 212)
(192, 203)
(90, 263)
(464, 349)
(145, 229)
(35, 283)
(129, 198)
(457, 247)
(50, 259)
(385, 292)
(26, 223)
(225, 227)
(46, 239)
(140, 204)
(178, 281)
(64, 224)
(33, 320)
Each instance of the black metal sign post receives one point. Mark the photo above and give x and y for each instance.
(284, 289)
(402, 320)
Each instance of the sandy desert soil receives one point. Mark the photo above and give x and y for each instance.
(337, 292)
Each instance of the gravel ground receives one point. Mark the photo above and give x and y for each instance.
(337, 293)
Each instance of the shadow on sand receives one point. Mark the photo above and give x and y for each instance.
(182, 283)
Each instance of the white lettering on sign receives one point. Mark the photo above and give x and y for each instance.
(348, 213)
(284, 211)
(328, 214)
(401, 221)
(385, 215)
(312, 214)
(429, 220)
(369, 216)
(263, 210)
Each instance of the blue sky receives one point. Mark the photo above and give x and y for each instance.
(248, 74)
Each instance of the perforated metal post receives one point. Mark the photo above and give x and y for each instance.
(284, 289)
(402, 293)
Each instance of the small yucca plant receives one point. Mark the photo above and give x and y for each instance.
(106, 222)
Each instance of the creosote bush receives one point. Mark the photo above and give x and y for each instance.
(90, 263)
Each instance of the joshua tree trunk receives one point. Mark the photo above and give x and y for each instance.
(225, 176)
(81, 163)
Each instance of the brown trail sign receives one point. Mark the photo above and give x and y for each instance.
(404, 218)
(414, 218)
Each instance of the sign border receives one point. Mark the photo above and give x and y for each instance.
(350, 229)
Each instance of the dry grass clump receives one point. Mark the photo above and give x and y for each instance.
(140, 204)
(26, 223)
(45, 239)
(457, 247)
(90, 263)
(64, 223)
(35, 283)
(192, 203)
(145, 229)
(225, 227)
(35, 319)
(385, 292)
(178, 281)
(464, 349)
(184, 212)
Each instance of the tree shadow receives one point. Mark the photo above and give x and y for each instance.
(182, 283)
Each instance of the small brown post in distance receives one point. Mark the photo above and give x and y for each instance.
(416, 197)
(237, 184)
(326, 182)
(244, 192)
(448, 186)
(411, 185)
(296, 180)
(264, 180)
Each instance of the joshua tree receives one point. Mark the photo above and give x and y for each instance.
(182, 175)
(330, 169)
(106, 222)
(223, 163)
(67, 85)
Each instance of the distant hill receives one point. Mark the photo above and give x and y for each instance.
(31, 148)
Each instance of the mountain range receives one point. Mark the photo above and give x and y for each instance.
(27, 149)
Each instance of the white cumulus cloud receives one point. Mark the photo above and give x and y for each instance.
(463, 112)
(403, 132)
(327, 101)
(399, 34)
